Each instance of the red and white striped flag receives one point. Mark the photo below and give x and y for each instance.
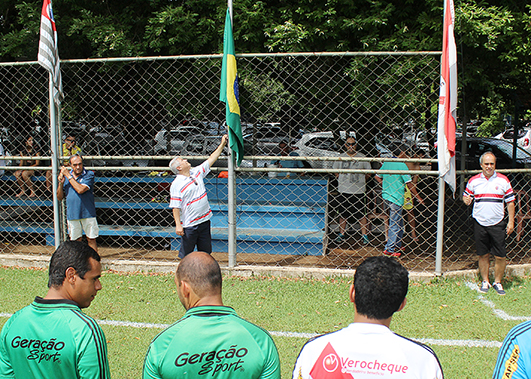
(447, 100)
(48, 53)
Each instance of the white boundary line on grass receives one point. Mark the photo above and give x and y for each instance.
(497, 312)
(428, 341)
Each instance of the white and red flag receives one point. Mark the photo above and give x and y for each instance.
(48, 53)
(447, 100)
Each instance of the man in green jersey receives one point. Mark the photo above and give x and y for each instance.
(51, 338)
(210, 341)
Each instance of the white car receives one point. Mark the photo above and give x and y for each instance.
(322, 144)
(524, 138)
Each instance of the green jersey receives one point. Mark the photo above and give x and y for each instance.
(212, 342)
(52, 339)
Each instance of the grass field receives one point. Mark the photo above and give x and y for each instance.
(457, 322)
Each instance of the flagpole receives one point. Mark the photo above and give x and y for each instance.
(446, 123)
(440, 228)
(57, 224)
(231, 194)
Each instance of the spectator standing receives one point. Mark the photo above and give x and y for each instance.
(24, 176)
(52, 338)
(210, 340)
(351, 187)
(393, 189)
(489, 191)
(367, 348)
(77, 186)
(69, 148)
(285, 151)
(189, 202)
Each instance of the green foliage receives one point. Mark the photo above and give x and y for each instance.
(493, 38)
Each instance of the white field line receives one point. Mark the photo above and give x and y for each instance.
(497, 312)
(428, 341)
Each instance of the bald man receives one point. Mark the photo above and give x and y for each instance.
(489, 191)
(211, 339)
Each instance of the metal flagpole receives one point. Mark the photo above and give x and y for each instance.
(231, 195)
(57, 216)
(440, 228)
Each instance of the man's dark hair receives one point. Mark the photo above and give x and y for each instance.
(202, 272)
(73, 254)
(397, 148)
(380, 285)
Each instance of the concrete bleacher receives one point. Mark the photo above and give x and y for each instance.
(273, 216)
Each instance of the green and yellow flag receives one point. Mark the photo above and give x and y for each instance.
(229, 92)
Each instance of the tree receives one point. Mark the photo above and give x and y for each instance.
(493, 37)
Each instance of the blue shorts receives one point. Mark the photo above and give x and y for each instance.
(197, 235)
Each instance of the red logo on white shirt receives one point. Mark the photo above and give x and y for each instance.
(330, 362)
(328, 366)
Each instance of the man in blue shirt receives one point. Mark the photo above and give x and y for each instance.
(78, 189)
(285, 151)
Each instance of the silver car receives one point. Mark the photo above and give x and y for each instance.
(523, 137)
(323, 144)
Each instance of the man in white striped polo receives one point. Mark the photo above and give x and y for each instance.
(489, 191)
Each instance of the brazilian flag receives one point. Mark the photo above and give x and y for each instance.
(229, 92)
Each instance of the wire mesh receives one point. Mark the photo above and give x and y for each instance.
(129, 117)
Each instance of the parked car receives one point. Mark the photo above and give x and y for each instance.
(264, 140)
(503, 151)
(523, 138)
(110, 140)
(178, 137)
(418, 139)
(323, 144)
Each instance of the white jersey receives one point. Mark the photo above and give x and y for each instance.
(366, 351)
(188, 193)
(489, 195)
(353, 184)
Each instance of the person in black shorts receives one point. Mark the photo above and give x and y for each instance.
(489, 191)
(351, 188)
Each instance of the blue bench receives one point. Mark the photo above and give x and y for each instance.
(274, 216)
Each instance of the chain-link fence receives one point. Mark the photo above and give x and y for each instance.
(303, 117)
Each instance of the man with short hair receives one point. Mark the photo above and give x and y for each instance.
(393, 190)
(367, 348)
(77, 186)
(210, 340)
(351, 187)
(189, 202)
(52, 338)
(489, 191)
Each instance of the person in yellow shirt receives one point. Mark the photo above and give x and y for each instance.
(69, 148)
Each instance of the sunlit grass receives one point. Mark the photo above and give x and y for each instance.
(441, 309)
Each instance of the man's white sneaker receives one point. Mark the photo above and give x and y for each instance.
(484, 287)
(498, 288)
